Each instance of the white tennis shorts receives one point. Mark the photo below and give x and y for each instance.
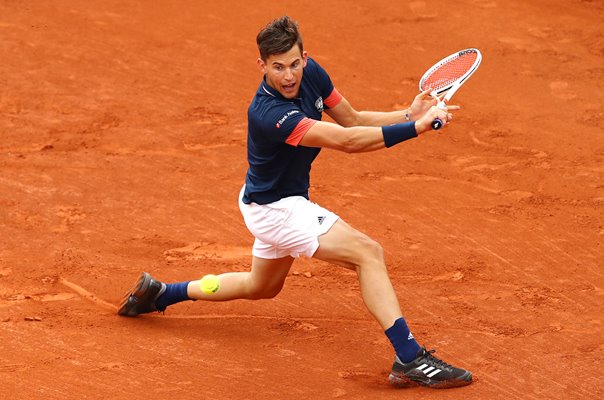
(288, 227)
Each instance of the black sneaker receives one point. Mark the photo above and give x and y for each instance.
(141, 298)
(428, 370)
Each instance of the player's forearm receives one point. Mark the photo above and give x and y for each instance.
(357, 139)
(378, 118)
(362, 139)
(345, 115)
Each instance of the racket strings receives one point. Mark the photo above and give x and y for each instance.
(449, 71)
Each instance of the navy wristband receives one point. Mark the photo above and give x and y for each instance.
(394, 134)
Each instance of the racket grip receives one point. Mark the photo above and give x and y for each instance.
(437, 124)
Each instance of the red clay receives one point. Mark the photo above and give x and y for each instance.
(123, 128)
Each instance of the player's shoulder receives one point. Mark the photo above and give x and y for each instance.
(312, 66)
(315, 73)
(311, 62)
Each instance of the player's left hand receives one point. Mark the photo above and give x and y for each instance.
(423, 102)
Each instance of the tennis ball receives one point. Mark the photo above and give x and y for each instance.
(209, 284)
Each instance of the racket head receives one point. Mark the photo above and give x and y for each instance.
(455, 68)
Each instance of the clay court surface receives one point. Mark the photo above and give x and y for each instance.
(123, 134)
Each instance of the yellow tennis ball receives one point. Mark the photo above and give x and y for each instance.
(209, 284)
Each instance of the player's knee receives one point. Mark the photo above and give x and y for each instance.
(377, 250)
(258, 292)
(272, 291)
(370, 250)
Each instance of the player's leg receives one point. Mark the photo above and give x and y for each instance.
(270, 266)
(346, 246)
(264, 281)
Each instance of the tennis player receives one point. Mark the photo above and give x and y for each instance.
(285, 135)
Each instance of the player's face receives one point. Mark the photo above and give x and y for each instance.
(284, 71)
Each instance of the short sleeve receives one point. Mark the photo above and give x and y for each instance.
(286, 123)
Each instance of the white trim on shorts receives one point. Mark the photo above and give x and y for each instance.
(287, 227)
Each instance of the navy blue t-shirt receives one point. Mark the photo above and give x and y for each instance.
(278, 166)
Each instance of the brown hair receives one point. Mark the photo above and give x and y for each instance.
(278, 37)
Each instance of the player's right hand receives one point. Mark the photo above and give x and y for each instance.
(424, 124)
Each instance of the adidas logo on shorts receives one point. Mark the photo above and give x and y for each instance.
(321, 219)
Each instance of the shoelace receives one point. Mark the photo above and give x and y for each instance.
(436, 362)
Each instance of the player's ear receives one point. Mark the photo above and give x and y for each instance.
(261, 65)
(304, 58)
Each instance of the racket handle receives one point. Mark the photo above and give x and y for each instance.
(437, 124)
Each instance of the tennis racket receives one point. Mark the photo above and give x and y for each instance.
(448, 75)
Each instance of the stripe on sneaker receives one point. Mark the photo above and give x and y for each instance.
(429, 371)
(433, 373)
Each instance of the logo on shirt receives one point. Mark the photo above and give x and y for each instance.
(319, 104)
(286, 116)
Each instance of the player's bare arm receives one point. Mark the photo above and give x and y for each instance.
(359, 139)
(345, 114)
